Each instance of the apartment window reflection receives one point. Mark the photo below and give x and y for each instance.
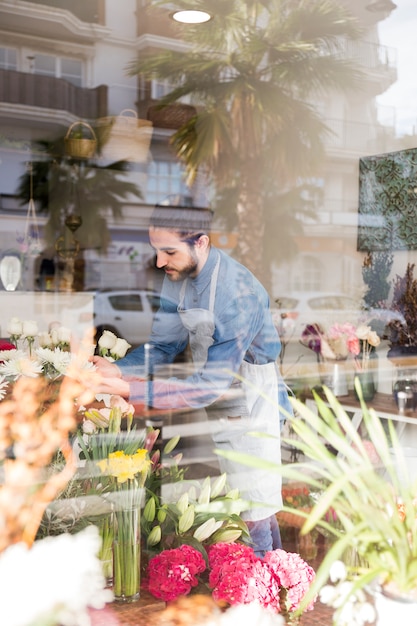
(8, 59)
(165, 178)
(308, 274)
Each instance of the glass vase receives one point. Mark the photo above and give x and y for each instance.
(106, 529)
(367, 384)
(126, 555)
(405, 390)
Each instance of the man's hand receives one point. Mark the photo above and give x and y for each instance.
(106, 368)
(114, 386)
(111, 378)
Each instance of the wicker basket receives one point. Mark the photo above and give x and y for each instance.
(171, 116)
(80, 147)
(125, 137)
(293, 519)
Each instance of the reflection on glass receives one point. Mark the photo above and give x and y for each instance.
(10, 271)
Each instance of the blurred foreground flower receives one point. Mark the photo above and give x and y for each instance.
(53, 582)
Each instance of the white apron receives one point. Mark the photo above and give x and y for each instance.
(254, 409)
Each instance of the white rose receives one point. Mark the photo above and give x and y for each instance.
(120, 348)
(30, 328)
(54, 337)
(44, 339)
(15, 327)
(107, 340)
(362, 332)
(64, 334)
(374, 339)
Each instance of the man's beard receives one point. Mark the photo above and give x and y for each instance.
(185, 272)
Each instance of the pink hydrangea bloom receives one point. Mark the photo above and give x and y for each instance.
(293, 573)
(173, 573)
(221, 553)
(243, 582)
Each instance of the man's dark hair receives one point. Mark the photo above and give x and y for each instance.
(190, 223)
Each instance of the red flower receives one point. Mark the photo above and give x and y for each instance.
(173, 573)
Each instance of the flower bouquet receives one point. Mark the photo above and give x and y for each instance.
(128, 473)
(235, 576)
(334, 344)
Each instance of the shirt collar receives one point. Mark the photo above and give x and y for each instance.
(203, 279)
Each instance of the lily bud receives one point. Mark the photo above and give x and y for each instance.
(182, 503)
(218, 485)
(186, 520)
(205, 492)
(149, 510)
(171, 444)
(154, 536)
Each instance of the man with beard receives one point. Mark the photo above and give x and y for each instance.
(214, 305)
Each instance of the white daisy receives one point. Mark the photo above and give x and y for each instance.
(20, 364)
(3, 387)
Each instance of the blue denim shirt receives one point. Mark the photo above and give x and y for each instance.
(243, 331)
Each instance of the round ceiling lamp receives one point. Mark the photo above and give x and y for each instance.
(191, 17)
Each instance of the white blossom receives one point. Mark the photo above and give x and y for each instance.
(107, 340)
(59, 578)
(120, 348)
(15, 327)
(3, 387)
(44, 339)
(20, 364)
(64, 335)
(30, 328)
(89, 427)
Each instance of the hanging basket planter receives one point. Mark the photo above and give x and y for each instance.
(77, 144)
(125, 137)
(171, 116)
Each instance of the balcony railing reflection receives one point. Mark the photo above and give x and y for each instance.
(53, 93)
(357, 136)
(85, 11)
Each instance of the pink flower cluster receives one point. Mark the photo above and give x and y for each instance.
(173, 573)
(237, 575)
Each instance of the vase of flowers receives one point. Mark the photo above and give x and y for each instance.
(129, 474)
(332, 348)
(365, 370)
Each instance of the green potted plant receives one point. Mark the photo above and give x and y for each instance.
(402, 331)
(366, 503)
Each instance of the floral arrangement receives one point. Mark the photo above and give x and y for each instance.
(37, 354)
(198, 514)
(128, 473)
(30, 438)
(335, 344)
(369, 340)
(112, 347)
(48, 353)
(297, 496)
(236, 576)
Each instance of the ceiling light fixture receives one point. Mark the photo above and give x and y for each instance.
(191, 17)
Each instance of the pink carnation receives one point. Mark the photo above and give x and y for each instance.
(293, 573)
(173, 573)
